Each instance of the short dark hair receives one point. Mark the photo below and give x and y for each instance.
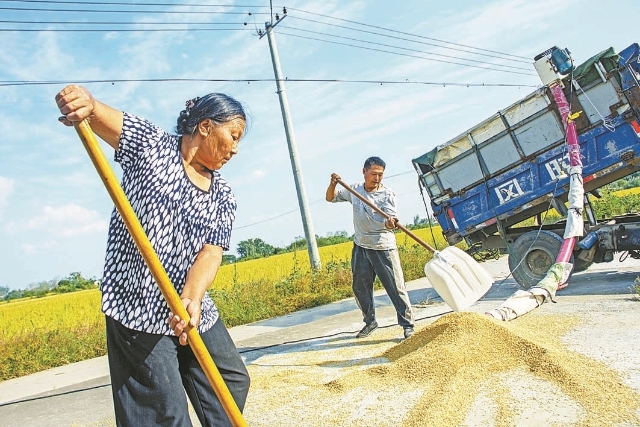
(377, 161)
(218, 107)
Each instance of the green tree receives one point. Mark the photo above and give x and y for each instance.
(228, 259)
(14, 294)
(74, 282)
(254, 248)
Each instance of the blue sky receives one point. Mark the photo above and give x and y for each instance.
(54, 210)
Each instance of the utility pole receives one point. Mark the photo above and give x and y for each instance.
(312, 246)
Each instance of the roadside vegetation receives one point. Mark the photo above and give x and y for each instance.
(43, 332)
(59, 322)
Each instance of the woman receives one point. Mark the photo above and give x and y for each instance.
(186, 209)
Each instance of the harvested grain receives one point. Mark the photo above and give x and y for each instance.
(445, 372)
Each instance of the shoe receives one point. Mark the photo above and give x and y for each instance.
(368, 328)
(408, 331)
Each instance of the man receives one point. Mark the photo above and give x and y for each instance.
(374, 251)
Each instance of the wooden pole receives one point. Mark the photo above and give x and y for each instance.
(381, 212)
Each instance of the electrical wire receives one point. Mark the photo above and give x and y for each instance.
(165, 12)
(404, 48)
(249, 81)
(409, 34)
(297, 210)
(404, 54)
(119, 30)
(106, 3)
(113, 23)
(476, 50)
(302, 340)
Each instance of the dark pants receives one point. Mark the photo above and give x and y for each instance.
(150, 374)
(366, 264)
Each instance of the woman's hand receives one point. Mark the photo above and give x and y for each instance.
(179, 326)
(75, 104)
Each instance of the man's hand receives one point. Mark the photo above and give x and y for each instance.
(331, 189)
(391, 223)
(179, 326)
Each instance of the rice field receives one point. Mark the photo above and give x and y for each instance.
(56, 330)
(51, 331)
(278, 267)
(626, 192)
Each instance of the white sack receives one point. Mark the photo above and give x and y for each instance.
(575, 225)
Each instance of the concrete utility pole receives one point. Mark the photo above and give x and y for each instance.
(312, 246)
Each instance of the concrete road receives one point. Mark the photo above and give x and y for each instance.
(80, 394)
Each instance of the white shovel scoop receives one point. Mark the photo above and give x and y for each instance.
(455, 275)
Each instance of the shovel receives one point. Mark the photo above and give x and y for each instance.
(157, 270)
(455, 275)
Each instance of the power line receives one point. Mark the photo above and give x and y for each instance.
(376, 82)
(413, 41)
(120, 30)
(409, 34)
(404, 48)
(312, 203)
(166, 12)
(112, 22)
(404, 54)
(104, 3)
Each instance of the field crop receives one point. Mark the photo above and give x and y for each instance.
(278, 267)
(51, 331)
(626, 192)
(56, 330)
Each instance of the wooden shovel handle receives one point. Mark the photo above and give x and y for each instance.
(381, 212)
(157, 270)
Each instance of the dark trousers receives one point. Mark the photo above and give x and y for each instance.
(366, 264)
(150, 374)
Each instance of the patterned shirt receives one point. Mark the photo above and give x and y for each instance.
(178, 218)
(370, 231)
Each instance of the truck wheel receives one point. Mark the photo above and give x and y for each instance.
(580, 265)
(538, 252)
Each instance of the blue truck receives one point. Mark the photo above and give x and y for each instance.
(514, 165)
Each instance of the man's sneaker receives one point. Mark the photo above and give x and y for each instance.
(408, 331)
(368, 328)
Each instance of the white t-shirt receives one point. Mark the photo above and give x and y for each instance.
(370, 231)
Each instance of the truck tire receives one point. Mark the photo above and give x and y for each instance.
(538, 252)
(580, 265)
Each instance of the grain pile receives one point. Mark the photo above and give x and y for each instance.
(463, 369)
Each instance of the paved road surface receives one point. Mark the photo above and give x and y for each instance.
(80, 394)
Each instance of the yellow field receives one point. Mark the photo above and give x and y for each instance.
(626, 192)
(64, 311)
(280, 266)
(67, 311)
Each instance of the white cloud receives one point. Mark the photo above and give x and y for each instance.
(67, 221)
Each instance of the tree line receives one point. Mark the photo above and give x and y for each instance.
(258, 248)
(247, 250)
(73, 282)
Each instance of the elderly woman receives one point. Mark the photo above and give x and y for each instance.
(186, 209)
